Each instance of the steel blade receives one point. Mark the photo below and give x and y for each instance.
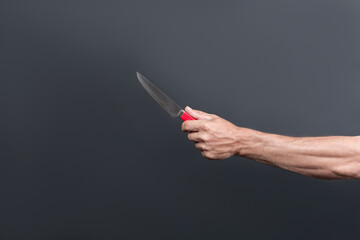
(161, 98)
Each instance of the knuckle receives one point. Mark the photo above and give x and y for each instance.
(205, 126)
(205, 138)
(205, 147)
(199, 146)
(191, 137)
(216, 120)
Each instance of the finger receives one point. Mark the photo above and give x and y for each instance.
(191, 126)
(194, 136)
(201, 146)
(204, 153)
(198, 114)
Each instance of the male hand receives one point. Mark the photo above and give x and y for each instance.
(215, 137)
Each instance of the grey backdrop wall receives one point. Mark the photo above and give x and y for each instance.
(85, 153)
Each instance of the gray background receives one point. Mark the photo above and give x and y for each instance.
(85, 153)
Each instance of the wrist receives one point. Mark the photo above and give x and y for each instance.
(250, 142)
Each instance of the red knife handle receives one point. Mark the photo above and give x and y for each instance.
(185, 116)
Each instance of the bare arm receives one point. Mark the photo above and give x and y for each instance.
(335, 157)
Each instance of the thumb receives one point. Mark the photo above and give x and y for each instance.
(198, 114)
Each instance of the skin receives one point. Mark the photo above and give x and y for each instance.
(333, 157)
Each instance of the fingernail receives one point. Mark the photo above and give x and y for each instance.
(189, 107)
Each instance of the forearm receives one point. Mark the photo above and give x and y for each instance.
(321, 157)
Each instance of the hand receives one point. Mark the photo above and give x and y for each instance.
(215, 137)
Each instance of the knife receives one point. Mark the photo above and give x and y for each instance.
(164, 101)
